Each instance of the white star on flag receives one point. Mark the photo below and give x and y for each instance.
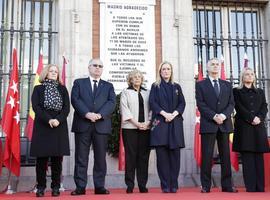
(17, 117)
(11, 102)
(14, 87)
(197, 120)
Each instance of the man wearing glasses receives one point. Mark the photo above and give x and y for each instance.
(93, 100)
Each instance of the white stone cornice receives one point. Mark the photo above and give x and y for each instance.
(138, 2)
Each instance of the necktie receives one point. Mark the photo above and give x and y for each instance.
(216, 87)
(95, 88)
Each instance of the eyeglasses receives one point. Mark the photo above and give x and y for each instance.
(97, 66)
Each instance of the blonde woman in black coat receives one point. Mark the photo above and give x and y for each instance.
(250, 138)
(50, 102)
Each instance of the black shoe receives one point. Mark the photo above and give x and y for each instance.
(173, 190)
(78, 192)
(165, 190)
(40, 193)
(101, 191)
(143, 190)
(55, 192)
(230, 189)
(205, 190)
(129, 190)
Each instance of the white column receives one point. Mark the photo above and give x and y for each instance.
(74, 26)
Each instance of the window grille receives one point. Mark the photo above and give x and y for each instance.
(28, 26)
(230, 29)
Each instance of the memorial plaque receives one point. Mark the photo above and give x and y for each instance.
(127, 40)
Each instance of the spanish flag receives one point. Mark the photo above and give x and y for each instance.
(197, 137)
(31, 115)
(233, 155)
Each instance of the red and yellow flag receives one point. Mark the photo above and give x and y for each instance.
(121, 155)
(31, 115)
(197, 137)
(233, 155)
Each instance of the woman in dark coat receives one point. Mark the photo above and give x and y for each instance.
(250, 138)
(167, 136)
(50, 102)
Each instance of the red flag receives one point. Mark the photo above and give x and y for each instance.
(31, 115)
(64, 71)
(197, 137)
(11, 122)
(222, 69)
(1, 157)
(121, 155)
(233, 155)
(245, 60)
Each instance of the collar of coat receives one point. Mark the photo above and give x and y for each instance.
(132, 88)
(252, 89)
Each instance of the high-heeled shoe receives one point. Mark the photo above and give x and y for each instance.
(40, 193)
(55, 192)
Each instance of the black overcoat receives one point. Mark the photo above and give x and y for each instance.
(250, 102)
(47, 141)
(161, 135)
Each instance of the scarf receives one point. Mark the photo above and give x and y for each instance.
(52, 98)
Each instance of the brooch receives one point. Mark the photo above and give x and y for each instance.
(154, 124)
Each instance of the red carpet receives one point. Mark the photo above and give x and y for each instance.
(154, 194)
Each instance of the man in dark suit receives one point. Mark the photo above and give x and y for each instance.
(93, 100)
(215, 102)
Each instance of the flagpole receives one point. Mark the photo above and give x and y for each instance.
(8, 188)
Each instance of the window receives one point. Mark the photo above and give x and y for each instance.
(232, 30)
(28, 26)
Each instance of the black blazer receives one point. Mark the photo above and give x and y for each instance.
(209, 105)
(83, 101)
(248, 104)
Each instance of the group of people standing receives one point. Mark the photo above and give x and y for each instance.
(149, 119)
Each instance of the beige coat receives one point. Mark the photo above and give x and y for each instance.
(129, 107)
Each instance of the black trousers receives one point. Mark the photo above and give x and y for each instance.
(83, 141)
(207, 148)
(168, 167)
(56, 170)
(253, 171)
(136, 143)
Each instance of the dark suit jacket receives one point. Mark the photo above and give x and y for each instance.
(209, 105)
(83, 101)
(248, 104)
(163, 133)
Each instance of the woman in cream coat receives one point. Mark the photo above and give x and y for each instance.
(135, 128)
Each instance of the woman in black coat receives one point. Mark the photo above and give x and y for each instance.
(50, 102)
(250, 138)
(167, 136)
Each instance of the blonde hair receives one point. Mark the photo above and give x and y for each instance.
(45, 71)
(159, 78)
(241, 85)
(131, 75)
